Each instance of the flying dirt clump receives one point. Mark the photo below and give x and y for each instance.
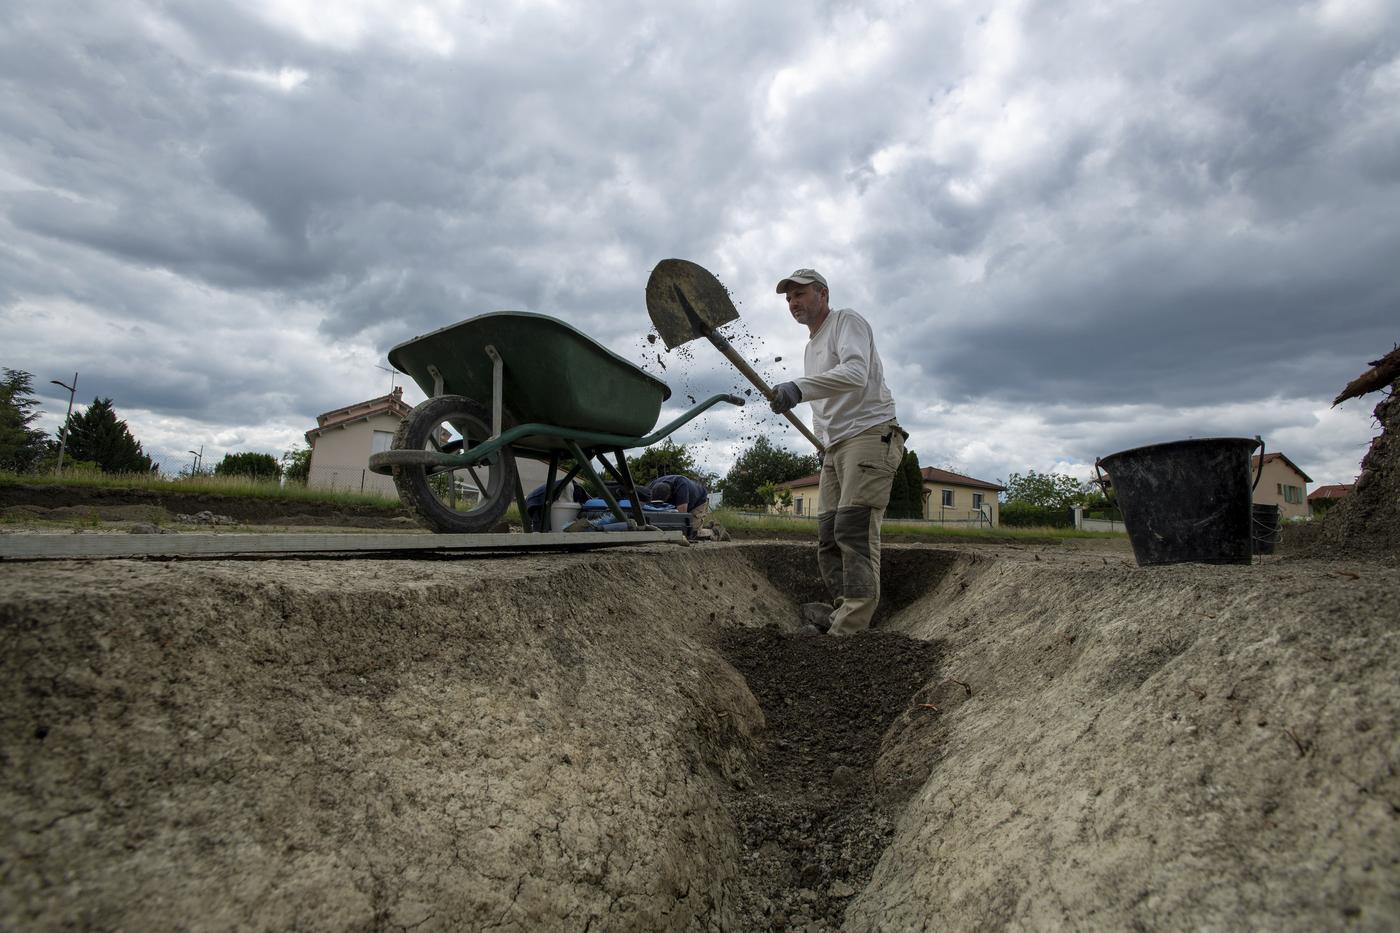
(754, 420)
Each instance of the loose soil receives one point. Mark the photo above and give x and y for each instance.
(1368, 520)
(810, 818)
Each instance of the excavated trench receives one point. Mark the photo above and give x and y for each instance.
(811, 818)
(570, 742)
(640, 741)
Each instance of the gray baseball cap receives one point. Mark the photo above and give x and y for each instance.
(803, 277)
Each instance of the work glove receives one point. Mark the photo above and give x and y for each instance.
(785, 396)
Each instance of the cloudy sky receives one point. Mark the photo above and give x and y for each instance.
(1076, 226)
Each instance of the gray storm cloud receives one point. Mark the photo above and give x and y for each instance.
(1074, 228)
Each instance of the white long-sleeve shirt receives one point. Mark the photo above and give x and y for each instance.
(844, 379)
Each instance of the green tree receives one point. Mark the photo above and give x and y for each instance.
(296, 465)
(1047, 490)
(762, 463)
(664, 459)
(22, 447)
(250, 464)
(97, 435)
(899, 495)
(914, 483)
(907, 490)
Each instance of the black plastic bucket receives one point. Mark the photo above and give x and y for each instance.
(1266, 519)
(1187, 501)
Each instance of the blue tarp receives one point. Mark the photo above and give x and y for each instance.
(597, 504)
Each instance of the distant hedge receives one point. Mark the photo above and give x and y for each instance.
(1018, 514)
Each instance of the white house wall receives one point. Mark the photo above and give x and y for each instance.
(340, 457)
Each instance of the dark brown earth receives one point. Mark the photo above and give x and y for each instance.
(1368, 520)
(811, 820)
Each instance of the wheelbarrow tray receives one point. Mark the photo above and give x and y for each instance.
(552, 375)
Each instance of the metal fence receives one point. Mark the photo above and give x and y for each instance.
(968, 518)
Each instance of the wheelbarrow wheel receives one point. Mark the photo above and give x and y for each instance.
(466, 501)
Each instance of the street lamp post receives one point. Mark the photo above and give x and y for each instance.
(63, 435)
(198, 458)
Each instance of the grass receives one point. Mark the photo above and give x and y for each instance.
(745, 523)
(202, 484)
(786, 525)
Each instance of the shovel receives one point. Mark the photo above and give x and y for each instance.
(686, 303)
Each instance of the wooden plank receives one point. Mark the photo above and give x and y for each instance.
(70, 546)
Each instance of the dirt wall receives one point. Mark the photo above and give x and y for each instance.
(1181, 747)
(514, 744)
(560, 743)
(1368, 520)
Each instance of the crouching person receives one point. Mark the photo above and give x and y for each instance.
(687, 495)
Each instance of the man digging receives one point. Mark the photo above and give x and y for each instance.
(853, 415)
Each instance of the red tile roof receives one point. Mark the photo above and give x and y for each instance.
(935, 475)
(1268, 458)
(391, 404)
(930, 475)
(1335, 491)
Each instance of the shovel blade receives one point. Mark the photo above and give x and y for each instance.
(709, 301)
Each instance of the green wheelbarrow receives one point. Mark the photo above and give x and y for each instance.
(513, 384)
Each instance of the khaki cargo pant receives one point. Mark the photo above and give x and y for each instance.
(856, 477)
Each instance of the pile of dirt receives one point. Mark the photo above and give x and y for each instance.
(809, 816)
(1368, 520)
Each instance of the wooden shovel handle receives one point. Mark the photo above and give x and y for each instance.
(742, 365)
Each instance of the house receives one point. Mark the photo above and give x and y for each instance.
(344, 438)
(1281, 484)
(1324, 497)
(949, 498)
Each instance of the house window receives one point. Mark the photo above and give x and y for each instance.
(1293, 494)
(1280, 488)
(383, 440)
(947, 498)
(797, 506)
(977, 501)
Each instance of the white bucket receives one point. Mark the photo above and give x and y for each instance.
(562, 514)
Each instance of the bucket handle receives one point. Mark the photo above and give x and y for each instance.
(1259, 474)
(1103, 482)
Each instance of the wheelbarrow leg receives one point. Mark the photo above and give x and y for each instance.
(585, 461)
(626, 479)
(520, 504)
(547, 521)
